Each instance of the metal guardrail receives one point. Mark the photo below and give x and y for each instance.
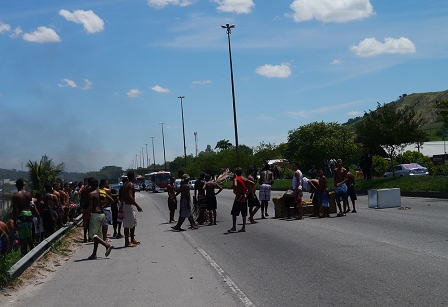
(37, 252)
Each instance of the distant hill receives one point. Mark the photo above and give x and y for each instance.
(425, 105)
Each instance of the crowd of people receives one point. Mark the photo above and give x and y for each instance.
(247, 203)
(37, 217)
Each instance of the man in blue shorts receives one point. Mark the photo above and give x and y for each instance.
(340, 190)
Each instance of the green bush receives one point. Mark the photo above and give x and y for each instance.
(6, 262)
(441, 170)
(379, 166)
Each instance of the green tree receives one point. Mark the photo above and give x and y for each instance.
(389, 127)
(379, 166)
(442, 109)
(265, 152)
(313, 143)
(223, 145)
(42, 173)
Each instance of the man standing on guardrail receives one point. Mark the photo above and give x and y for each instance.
(96, 200)
(23, 217)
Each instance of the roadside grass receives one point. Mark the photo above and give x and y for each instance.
(408, 183)
(60, 247)
(6, 262)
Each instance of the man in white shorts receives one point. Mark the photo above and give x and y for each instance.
(130, 217)
(264, 194)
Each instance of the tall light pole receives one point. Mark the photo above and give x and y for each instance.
(153, 157)
(143, 158)
(183, 128)
(163, 142)
(228, 28)
(147, 160)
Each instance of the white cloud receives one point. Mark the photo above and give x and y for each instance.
(87, 84)
(4, 27)
(162, 3)
(370, 46)
(134, 93)
(355, 113)
(202, 82)
(336, 62)
(16, 32)
(306, 113)
(90, 21)
(274, 71)
(69, 83)
(235, 6)
(42, 35)
(160, 89)
(330, 10)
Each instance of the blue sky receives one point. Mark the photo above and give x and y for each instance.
(88, 82)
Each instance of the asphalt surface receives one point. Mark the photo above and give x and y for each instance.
(376, 257)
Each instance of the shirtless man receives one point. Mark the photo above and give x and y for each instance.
(65, 202)
(240, 203)
(130, 217)
(106, 205)
(264, 194)
(340, 179)
(322, 195)
(199, 196)
(185, 205)
(49, 214)
(313, 185)
(298, 193)
(22, 216)
(37, 220)
(210, 198)
(59, 209)
(97, 200)
(4, 238)
(172, 200)
(84, 199)
(351, 191)
(252, 200)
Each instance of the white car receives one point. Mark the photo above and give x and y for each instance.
(191, 184)
(411, 169)
(177, 184)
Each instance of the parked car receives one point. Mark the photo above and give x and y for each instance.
(136, 187)
(177, 184)
(411, 169)
(191, 184)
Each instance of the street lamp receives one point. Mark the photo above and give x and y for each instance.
(183, 128)
(147, 160)
(153, 157)
(163, 141)
(228, 28)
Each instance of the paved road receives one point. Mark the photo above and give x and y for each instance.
(376, 257)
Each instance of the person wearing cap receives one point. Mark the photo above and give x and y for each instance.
(185, 205)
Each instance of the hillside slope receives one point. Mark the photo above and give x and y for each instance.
(425, 106)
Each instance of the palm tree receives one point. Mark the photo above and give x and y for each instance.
(223, 145)
(42, 173)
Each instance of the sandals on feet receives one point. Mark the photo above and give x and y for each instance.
(108, 250)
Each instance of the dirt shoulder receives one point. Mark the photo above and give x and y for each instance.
(36, 275)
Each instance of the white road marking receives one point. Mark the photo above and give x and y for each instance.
(246, 301)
